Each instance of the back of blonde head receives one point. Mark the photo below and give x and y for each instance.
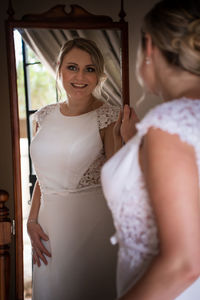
(174, 26)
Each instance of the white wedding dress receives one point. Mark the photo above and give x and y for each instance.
(125, 190)
(68, 153)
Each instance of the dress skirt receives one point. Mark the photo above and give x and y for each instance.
(83, 262)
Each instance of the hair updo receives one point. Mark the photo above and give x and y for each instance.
(174, 26)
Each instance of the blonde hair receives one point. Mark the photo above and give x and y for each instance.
(90, 47)
(174, 26)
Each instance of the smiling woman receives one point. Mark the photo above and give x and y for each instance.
(74, 139)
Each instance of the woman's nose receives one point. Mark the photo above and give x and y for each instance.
(80, 75)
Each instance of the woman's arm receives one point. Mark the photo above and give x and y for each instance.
(35, 203)
(35, 231)
(171, 174)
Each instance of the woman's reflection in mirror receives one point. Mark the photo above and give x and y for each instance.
(69, 223)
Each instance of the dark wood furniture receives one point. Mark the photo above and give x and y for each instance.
(5, 240)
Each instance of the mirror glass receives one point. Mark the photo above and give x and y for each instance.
(107, 40)
(37, 61)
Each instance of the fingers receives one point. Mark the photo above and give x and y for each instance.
(39, 251)
(116, 128)
(41, 256)
(134, 116)
(36, 259)
(128, 128)
(38, 255)
(126, 113)
(41, 248)
(125, 128)
(42, 234)
(129, 114)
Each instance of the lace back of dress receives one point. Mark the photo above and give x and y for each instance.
(180, 117)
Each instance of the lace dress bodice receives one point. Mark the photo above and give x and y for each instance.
(67, 151)
(125, 189)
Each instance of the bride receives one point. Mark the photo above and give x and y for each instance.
(152, 184)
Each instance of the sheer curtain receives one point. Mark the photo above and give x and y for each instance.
(46, 44)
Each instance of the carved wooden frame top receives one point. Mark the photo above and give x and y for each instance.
(56, 17)
(58, 13)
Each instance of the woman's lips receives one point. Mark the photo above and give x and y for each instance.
(79, 85)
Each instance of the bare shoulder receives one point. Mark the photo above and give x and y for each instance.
(160, 143)
(167, 161)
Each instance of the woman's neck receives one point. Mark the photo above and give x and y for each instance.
(180, 85)
(173, 82)
(75, 107)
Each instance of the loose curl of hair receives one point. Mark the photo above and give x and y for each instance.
(174, 26)
(90, 47)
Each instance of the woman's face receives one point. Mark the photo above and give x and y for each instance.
(78, 74)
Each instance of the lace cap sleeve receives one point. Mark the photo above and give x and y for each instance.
(107, 114)
(40, 115)
(180, 117)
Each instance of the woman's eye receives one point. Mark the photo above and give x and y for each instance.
(72, 68)
(90, 69)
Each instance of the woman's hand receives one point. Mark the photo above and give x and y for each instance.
(37, 234)
(125, 126)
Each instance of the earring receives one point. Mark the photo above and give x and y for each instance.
(147, 60)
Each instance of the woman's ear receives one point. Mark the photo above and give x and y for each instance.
(149, 45)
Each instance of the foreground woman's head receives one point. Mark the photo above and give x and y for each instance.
(174, 26)
(170, 48)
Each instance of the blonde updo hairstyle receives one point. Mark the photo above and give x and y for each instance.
(90, 47)
(174, 26)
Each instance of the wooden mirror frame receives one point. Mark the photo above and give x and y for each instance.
(56, 17)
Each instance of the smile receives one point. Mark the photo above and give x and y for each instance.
(80, 86)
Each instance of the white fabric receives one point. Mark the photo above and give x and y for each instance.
(74, 216)
(127, 196)
(84, 156)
